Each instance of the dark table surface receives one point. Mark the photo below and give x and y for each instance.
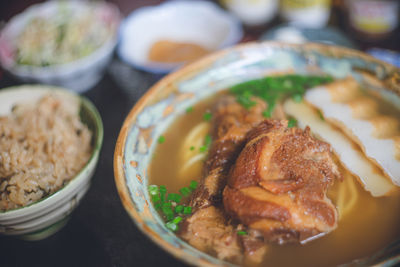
(99, 232)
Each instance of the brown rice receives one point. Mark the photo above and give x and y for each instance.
(43, 145)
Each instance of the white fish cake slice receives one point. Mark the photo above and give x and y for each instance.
(352, 158)
(376, 136)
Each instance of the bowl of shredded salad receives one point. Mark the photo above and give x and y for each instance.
(64, 43)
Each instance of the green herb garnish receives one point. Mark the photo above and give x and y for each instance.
(189, 109)
(193, 185)
(292, 123)
(245, 100)
(153, 190)
(163, 192)
(166, 208)
(203, 149)
(185, 191)
(174, 197)
(161, 139)
(297, 98)
(272, 89)
(207, 116)
(207, 140)
(179, 209)
(207, 143)
(241, 232)
(192, 148)
(172, 226)
(177, 219)
(166, 203)
(187, 210)
(321, 116)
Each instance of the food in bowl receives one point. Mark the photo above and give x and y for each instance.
(232, 160)
(64, 43)
(162, 38)
(270, 179)
(43, 145)
(63, 37)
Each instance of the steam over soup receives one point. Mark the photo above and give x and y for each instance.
(264, 170)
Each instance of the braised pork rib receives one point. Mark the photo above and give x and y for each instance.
(262, 177)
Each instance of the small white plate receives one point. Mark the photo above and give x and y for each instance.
(199, 22)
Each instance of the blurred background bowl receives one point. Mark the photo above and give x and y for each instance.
(46, 216)
(79, 75)
(198, 22)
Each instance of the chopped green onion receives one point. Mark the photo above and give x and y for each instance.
(241, 232)
(187, 210)
(245, 101)
(192, 148)
(166, 208)
(268, 112)
(155, 198)
(153, 190)
(163, 192)
(185, 191)
(207, 140)
(273, 89)
(177, 220)
(207, 143)
(163, 189)
(203, 149)
(174, 197)
(292, 122)
(157, 206)
(189, 109)
(167, 205)
(193, 185)
(297, 98)
(321, 116)
(179, 209)
(172, 226)
(161, 139)
(207, 116)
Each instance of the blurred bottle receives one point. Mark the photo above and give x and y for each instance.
(306, 13)
(252, 12)
(373, 20)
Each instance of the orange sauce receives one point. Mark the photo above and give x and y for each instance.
(165, 51)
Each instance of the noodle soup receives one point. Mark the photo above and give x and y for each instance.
(365, 223)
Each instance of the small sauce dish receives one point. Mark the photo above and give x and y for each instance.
(175, 31)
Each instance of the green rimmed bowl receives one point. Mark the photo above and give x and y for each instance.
(170, 97)
(46, 216)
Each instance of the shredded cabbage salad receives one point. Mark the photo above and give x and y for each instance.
(63, 37)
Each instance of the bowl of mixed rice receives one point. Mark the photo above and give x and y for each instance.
(50, 141)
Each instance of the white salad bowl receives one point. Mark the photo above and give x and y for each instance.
(45, 216)
(79, 75)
